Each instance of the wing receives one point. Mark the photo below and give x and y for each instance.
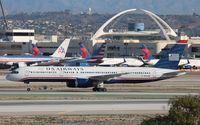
(106, 77)
(173, 74)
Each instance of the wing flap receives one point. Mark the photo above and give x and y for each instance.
(106, 77)
(173, 74)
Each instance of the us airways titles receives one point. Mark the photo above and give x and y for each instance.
(64, 69)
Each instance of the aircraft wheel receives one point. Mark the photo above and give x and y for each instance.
(28, 89)
(104, 89)
(94, 89)
(45, 87)
(99, 90)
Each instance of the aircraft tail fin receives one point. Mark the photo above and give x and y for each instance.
(36, 50)
(171, 58)
(146, 52)
(96, 57)
(84, 51)
(62, 49)
(100, 53)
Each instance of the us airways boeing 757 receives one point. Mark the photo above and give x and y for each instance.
(58, 54)
(96, 76)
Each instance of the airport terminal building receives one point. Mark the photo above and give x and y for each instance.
(120, 43)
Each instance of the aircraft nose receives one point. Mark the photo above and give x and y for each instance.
(11, 77)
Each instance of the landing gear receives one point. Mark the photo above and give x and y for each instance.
(28, 89)
(99, 88)
(28, 86)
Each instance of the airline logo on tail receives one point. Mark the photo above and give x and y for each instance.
(84, 51)
(99, 54)
(61, 50)
(172, 56)
(96, 57)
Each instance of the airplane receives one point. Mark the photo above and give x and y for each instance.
(97, 58)
(36, 58)
(36, 50)
(185, 63)
(86, 59)
(96, 76)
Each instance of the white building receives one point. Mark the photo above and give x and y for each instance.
(21, 35)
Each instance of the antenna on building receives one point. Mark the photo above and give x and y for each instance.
(89, 11)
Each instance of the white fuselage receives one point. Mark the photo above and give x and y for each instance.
(192, 62)
(64, 73)
(137, 63)
(128, 61)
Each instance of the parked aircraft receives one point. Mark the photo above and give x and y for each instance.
(36, 50)
(36, 58)
(183, 64)
(97, 58)
(94, 59)
(95, 76)
(86, 59)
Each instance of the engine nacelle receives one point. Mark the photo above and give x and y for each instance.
(80, 83)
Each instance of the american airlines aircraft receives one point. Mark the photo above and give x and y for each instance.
(57, 55)
(97, 58)
(95, 77)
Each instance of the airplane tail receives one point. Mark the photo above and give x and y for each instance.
(62, 49)
(36, 50)
(96, 57)
(84, 51)
(100, 53)
(171, 58)
(146, 52)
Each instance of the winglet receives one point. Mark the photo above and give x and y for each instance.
(62, 49)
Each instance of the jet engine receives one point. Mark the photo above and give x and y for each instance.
(80, 83)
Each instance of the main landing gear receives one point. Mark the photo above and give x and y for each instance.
(99, 88)
(28, 89)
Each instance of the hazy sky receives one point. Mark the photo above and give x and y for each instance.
(103, 6)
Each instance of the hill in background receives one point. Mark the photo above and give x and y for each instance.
(102, 6)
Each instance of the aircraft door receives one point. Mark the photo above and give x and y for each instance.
(26, 73)
(153, 74)
(61, 73)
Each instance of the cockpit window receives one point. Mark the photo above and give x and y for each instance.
(14, 72)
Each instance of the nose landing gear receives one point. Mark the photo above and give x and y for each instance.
(28, 86)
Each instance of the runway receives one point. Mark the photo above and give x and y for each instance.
(80, 107)
(87, 95)
(150, 98)
(186, 83)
